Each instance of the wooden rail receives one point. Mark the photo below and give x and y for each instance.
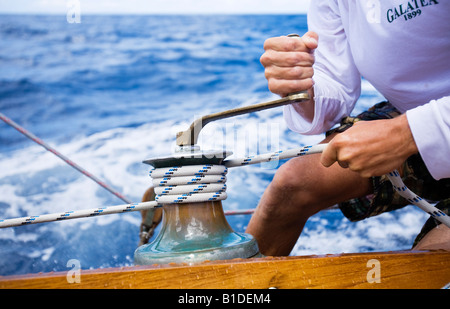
(385, 270)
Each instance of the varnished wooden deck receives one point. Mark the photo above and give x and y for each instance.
(405, 269)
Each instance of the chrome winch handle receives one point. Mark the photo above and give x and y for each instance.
(190, 136)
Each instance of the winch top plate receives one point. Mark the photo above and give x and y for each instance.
(189, 158)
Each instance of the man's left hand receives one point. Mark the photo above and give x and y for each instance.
(372, 148)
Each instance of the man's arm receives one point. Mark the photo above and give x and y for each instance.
(430, 127)
(373, 148)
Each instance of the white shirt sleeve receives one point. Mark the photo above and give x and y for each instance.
(337, 81)
(430, 126)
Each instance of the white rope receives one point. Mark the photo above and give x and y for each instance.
(414, 199)
(205, 183)
(200, 183)
(277, 155)
(76, 214)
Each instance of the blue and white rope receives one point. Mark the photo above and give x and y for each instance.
(200, 183)
(76, 214)
(414, 199)
(189, 184)
(277, 155)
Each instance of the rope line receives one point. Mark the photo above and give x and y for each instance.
(76, 214)
(200, 183)
(414, 199)
(206, 183)
(37, 140)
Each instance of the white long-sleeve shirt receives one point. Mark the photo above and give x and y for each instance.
(403, 49)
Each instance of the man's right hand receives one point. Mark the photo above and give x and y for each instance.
(288, 63)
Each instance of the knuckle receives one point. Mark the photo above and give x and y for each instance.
(274, 86)
(300, 85)
(265, 59)
(268, 72)
(308, 83)
(291, 44)
(294, 58)
(309, 72)
(340, 140)
(301, 59)
(355, 166)
(296, 72)
(303, 72)
(366, 173)
(295, 85)
(268, 43)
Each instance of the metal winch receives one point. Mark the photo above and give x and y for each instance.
(197, 230)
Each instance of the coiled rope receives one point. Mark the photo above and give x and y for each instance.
(200, 183)
(189, 184)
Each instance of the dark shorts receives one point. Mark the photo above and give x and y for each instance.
(415, 176)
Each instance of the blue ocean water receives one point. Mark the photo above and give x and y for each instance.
(112, 91)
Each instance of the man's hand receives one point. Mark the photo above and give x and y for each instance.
(288, 63)
(372, 148)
